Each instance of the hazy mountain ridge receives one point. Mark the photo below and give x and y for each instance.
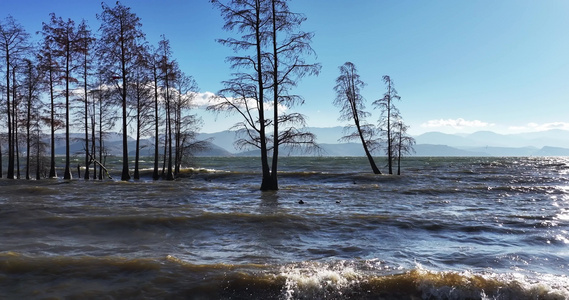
(482, 143)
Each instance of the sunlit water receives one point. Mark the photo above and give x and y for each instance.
(448, 228)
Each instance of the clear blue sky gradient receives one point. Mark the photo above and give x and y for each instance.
(459, 66)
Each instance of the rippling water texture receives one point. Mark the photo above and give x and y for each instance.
(449, 228)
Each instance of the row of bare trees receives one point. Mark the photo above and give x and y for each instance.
(74, 79)
(390, 127)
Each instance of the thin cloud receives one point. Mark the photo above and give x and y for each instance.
(541, 127)
(203, 100)
(459, 123)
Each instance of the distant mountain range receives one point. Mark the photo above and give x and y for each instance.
(482, 143)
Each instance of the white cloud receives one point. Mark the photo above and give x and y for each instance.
(202, 100)
(540, 127)
(459, 123)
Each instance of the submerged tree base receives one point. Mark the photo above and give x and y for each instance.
(269, 184)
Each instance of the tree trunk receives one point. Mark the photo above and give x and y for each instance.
(10, 173)
(274, 167)
(125, 176)
(137, 150)
(28, 125)
(87, 156)
(389, 141)
(67, 172)
(100, 135)
(52, 173)
(267, 183)
(15, 114)
(155, 174)
(38, 158)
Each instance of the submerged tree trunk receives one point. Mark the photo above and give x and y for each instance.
(10, 173)
(52, 172)
(137, 149)
(155, 174)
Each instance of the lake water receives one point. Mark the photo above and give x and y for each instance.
(448, 228)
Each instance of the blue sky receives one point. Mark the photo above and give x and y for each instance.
(459, 66)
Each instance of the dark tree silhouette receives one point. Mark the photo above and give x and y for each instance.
(185, 125)
(52, 78)
(85, 49)
(388, 113)
(118, 48)
(289, 46)
(155, 68)
(273, 50)
(65, 40)
(245, 93)
(403, 143)
(140, 95)
(168, 73)
(31, 84)
(352, 108)
(13, 44)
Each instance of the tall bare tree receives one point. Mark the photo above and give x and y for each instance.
(118, 48)
(155, 62)
(31, 84)
(403, 143)
(13, 44)
(185, 124)
(352, 108)
(65, 39)
(245, 93)
(52, 78)
(272, 49)
(287, 63)
(168, 73)
(85, 42)
(141, 92)
(389, 113)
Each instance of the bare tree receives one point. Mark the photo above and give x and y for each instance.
(272, 51)
(52, 78)
(388, 114)
(120, 42)
(403, 142)
(155, 61)
(185, 125)
(244, 93)
(352, 108)
(65, 40)
(85, 43)
(31, 84)
(141, 103)
(168, 73)
(13, 43)
(287, 67)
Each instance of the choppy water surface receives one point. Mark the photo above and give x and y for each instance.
(449, 228)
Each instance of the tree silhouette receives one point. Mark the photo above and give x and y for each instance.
(273, 51)
(403, 143)
(352, 108)
(65, 41)
(85, 49)
(13, 45)
(52, 78)
(31, 84)
(118, 48)
(245, 92)
(289, 46)
(388, 113)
